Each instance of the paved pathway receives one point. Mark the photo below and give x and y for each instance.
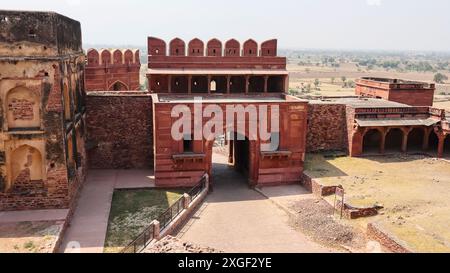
(235, 218)
(33, 215)
(87, 229)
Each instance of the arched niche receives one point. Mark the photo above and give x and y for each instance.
(23, 108)
(26, 165)
(118, 86)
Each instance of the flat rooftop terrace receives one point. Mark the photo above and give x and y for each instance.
(357, 102)
(225, 99)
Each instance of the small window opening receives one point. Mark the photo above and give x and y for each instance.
(213, 86)
(157, 83)
(188, 144)
(195, 83)
(214, 51)
(250, 51)
(156, 51)
(176, 83)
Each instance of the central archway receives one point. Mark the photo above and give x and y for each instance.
(237, 155)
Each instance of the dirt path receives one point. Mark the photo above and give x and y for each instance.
(235, 218)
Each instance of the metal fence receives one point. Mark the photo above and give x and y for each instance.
(145, 238)
(141, 242)
(173, 211)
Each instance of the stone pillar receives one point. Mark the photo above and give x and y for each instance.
(383, 141)
(231, 151)
(189, 84)
(441, 145)
(209, 84)
(405, 139)
(247, 77)
(426, 138)
(266, 78)
(156, 229)
(228, 84)
(169, 85)
(187, 200)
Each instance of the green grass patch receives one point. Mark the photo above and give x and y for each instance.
(132, 211)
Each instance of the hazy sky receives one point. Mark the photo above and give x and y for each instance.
(315, 24)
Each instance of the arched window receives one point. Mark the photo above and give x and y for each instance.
(213, 86)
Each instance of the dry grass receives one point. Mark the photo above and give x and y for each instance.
(414, 191)
(29, 237)
(132, 211)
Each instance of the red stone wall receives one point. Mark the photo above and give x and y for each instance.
(264, 170)
(410, 93)
(327, 127)
(119, 130)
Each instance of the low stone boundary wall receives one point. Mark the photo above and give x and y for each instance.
(376, 232)
(349, 211)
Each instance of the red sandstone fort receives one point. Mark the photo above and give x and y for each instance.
(66, 111)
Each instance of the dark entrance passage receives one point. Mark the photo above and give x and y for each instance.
(230, 159)
(415, 140)
(433, 143)
(241, 155)
(394, 139)
(372, 141)
(446, 147)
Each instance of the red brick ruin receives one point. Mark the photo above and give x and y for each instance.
(52, 132)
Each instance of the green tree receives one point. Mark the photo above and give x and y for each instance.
(343, 79)
(440, 78)
(316, 83)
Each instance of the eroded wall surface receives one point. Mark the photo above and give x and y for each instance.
(120, 130)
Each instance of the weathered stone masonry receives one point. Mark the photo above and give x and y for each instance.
(42, 160)
(120, 130)
(326, 127)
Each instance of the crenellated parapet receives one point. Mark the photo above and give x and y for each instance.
(112, 69)
(110, 57)
(214, 54)
(214, 48)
